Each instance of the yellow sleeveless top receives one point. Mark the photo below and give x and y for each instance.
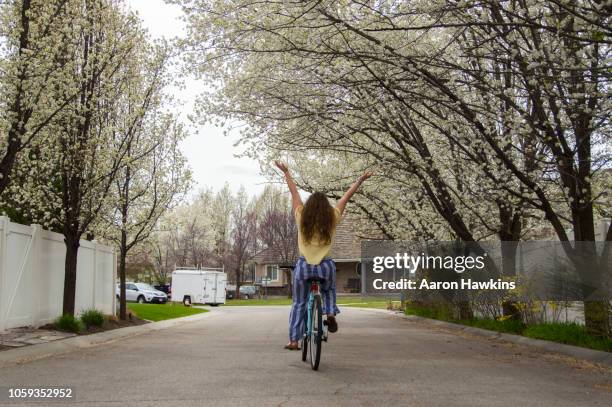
(315, 250)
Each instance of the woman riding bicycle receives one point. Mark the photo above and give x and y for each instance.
(317, 221)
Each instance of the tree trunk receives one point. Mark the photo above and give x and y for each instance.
(289, 283)
(509, 234)
(596, 318)
(465, 310)
(238, 283)
(122, 257)
(70, 273)
(597, 312)
(123, 246)
(509, 308)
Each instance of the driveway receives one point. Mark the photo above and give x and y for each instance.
(234, 357)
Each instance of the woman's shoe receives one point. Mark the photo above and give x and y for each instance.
(292, 346)
(331, 323)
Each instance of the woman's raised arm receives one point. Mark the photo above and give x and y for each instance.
(348, 194)
(296, 200)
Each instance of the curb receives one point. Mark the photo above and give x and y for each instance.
(591, 355)
(43, 350)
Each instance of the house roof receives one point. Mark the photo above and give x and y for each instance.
(346, 246)
(270, 255)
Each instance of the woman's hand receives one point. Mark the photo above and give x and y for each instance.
(295, 195)
(348, 194)
(366, 175)
(282, 166)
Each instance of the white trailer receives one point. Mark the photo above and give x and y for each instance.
(199, 286)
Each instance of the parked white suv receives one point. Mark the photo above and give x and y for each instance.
(141, 293)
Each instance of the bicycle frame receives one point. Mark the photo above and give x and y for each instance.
(314, 292)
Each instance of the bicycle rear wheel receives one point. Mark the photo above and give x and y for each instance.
(316, 334)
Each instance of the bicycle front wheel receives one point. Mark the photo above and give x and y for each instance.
(316, 335)
(304, 348)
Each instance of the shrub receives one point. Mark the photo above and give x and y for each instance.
(500, 325)
(68, 323)
(433, 311)
(92, 317)
(571, 334)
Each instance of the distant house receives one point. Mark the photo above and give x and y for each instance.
(346, 252)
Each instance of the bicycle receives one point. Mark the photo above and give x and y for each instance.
(315, 331)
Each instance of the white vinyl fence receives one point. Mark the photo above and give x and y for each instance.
(32, 275)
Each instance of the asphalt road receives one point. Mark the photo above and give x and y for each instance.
(234, 357)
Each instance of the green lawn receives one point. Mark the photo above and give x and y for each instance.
(571, 334)
(370, 304)
(270, 301)
(360, 302)
(159, 312)
(568, 333)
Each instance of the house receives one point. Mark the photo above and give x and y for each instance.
(346, 252)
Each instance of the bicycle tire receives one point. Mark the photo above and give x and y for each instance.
(316, 336)
(304, 348)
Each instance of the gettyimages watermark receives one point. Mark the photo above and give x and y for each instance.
(542, 270)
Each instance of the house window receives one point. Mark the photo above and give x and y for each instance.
(272, 272)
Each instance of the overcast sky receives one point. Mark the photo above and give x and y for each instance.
(210, 154)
